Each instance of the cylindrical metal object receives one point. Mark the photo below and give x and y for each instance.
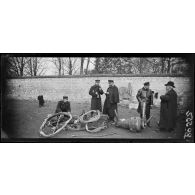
(143, 108)
(133, 124)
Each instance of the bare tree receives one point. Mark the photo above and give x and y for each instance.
(82, 65)
(72, 66)
(34, 67)
(87, 66)
(59, 65)
(17, 66)
(65, 65)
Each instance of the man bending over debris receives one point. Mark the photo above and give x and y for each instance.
(62, 106)
(145, 94)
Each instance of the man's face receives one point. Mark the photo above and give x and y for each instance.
(168, 88)
(110, 84)
(146, 86)
(97, 83)
(65, 100)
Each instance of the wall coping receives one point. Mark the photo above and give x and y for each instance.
(102, 75)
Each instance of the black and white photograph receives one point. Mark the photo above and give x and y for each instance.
(97, 98)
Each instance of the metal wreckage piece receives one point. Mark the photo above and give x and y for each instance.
(92, 121)
(133, 124)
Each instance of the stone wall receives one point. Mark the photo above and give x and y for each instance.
(77, 87)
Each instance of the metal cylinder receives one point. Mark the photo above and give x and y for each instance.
(133, 124)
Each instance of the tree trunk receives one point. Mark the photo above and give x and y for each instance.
(81, 68)
(86, 70)
(60, 67)
(97, 64)
(31, 67)
(35, 66)
(22, 66)
(70, 67)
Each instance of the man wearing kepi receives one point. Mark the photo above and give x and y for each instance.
(96, 92)
(168, 110)
(145, 95)
(63, 105)
(111, 101)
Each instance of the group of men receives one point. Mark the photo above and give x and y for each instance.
(168, 109)
(111, 101)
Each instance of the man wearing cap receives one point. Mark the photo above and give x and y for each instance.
(168, 109)
(112, 98)
(96, 92)
(145, 95)
(63, 105)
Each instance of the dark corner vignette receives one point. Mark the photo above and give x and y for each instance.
(22, 112)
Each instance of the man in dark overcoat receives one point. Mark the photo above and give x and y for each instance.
(168, 109)
(63, 105)
(145, 95)
(96, 92)
(111, 101)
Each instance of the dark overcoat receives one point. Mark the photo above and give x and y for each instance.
(168, 110)
(145, 94)
(110, 104)
(96, 102)
(63, 107)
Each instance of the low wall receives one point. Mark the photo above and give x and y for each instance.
(77, 87)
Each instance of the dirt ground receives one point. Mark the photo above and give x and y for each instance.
(24, 118)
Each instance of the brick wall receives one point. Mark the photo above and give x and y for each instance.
(77, 87)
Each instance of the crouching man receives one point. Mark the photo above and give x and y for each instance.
(63, 105)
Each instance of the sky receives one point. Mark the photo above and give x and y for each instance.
(50, 68)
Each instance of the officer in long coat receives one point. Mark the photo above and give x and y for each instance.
(145, 94)
(111, 101)
(96, 92)
(168, 109)
(63, 105)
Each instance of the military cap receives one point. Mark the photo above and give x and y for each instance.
(65, 97)
(97, 80)
(146, 83)
(170, 83)
(110, 81)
